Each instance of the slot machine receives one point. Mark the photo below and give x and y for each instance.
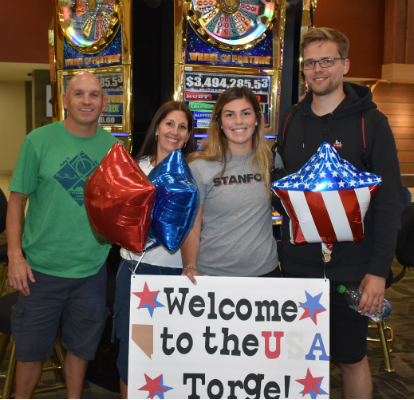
(95, 36)
(225, 43)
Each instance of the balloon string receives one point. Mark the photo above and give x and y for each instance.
(138, 262)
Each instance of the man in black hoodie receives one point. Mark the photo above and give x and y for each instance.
(332, 111)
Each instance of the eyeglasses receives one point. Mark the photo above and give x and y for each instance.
(324, 62)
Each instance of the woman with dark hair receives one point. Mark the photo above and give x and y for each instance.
(170, 129)
(232, 233)
(156, 147)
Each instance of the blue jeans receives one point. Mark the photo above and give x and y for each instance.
(122, 304)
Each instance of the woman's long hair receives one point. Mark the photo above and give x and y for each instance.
(149, 148)
(216, 145)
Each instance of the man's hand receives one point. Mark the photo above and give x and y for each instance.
(19, 271)
(373, 290)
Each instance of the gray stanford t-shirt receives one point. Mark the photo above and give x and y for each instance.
(237, 237)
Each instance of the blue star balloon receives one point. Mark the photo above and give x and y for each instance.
(176, 201)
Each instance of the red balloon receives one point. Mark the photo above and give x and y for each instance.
(119, 199)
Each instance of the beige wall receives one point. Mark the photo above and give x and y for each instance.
(12, 128)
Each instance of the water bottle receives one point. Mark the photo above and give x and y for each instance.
(353, 298)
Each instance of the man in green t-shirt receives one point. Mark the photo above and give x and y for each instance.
(63, 276)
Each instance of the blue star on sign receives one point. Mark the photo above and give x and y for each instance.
(312, 306)
(164, 387)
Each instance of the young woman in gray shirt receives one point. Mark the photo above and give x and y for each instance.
(232, 234)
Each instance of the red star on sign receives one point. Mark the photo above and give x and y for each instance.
(153, 386)
(310, 383)
(146, 296)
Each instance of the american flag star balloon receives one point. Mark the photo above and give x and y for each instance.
(327, 199)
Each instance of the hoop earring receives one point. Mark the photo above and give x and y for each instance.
(185, 144)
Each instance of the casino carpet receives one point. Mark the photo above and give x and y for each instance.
(398, 384)
(387, 385)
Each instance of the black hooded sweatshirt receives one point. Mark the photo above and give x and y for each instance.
(306, 132)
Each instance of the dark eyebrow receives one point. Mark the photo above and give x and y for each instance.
(173, 120)
(244, 109)
(312, 59)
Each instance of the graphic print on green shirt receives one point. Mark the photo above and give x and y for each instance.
(73, 174)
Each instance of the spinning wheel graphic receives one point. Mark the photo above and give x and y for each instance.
(89, 25)
(236, 24)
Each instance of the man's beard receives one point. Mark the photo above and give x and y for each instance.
(332, 86)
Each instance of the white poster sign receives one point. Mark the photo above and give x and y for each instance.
(228, 338)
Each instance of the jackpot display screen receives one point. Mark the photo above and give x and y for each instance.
(202, 89)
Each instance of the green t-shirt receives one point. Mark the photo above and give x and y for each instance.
(52, 167)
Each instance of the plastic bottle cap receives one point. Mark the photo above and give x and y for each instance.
(341, 289)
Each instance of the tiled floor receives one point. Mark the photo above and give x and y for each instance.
(387, 385)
